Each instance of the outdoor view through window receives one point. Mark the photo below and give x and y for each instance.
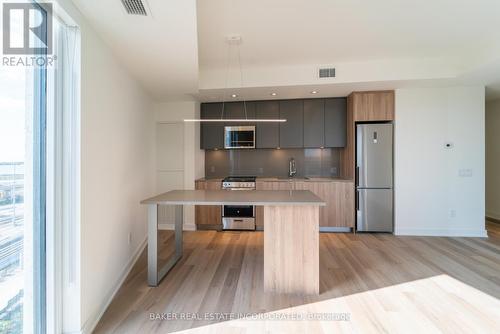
(13, 258)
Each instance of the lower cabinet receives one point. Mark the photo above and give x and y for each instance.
(339, 198)
(268, 185)
(338, 212)
(208, 217)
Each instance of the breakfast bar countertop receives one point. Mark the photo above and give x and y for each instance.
(226, 197)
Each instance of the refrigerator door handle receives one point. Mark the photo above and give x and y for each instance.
(357, 200)
(357, 176)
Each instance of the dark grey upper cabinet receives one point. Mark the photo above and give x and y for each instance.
(314, 123)
(267, 134)
(335, 122)
(292, 131)
(236, 110)
(211, 134)
(311, 123)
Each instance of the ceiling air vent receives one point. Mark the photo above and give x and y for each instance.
(134, 7)
(327, 72)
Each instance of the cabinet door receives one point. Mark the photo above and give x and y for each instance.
(211, 134)
(335, 122)
(339, 198)
(269, 185)
(314, 123)
(373, 106)
(208, 217)
(267, 134)
(236, 110)
(291, 131)
(344, 204)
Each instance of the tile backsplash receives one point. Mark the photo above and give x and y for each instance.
(272, 162)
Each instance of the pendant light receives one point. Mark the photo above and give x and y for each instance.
(235, 40)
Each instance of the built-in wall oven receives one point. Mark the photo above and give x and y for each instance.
(238, 217)
(239, 136)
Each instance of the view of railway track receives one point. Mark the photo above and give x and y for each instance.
(11, 245)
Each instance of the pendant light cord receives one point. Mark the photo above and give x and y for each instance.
(241, 83)
(225, 80)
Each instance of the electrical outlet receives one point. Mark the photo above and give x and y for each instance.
(261, 170)
(212, 169)
(453, 213)
(129, 238)
(333, 170)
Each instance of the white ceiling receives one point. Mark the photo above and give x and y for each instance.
(383, 43)
(329, 31)
(160, 50)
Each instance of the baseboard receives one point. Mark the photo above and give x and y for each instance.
(170, 226)
(442, 233)
(92, 322)
(492, 215)
(332, 229)
(493, 219)
(209, 227)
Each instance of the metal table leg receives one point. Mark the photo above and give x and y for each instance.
(155, 276)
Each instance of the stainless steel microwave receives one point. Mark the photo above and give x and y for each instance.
(239, 136)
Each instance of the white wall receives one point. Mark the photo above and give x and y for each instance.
(431, 198)
(194, 159)
(117, 171)
(493, 159)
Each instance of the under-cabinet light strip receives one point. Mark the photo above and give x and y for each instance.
(237, 120)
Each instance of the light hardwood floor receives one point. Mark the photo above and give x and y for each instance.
(382, 283)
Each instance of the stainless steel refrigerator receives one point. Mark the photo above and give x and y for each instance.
(374, 177)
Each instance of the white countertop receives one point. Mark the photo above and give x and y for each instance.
(228, 197)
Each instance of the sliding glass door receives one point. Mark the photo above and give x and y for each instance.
(16, 223)
(23, 105)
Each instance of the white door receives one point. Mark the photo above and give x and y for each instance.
(169, 164)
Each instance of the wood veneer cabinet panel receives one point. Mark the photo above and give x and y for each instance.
(347, 154)
(291, 250)
(339, 198)
(208, 217)
(268, 185)
(373, 106)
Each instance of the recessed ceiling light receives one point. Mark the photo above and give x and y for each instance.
(314, 92)
(234, 95)
(273, 94)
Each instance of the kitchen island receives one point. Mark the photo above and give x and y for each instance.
(291, 233)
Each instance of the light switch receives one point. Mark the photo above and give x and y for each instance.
(465, 173)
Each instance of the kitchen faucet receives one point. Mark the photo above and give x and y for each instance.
(292, 170)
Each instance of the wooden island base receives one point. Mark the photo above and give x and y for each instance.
(291, 249)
